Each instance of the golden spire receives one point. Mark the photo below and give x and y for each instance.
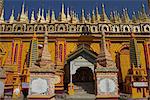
(104, 59)
(82, 17)
(115, 20)
(73, 17)
(62, 14)
(97, 14)
(2, 17)
(68, 15)
(134, 20)
(89, 17)
(139, 15)
(42, 17)
(126, 18)
(103, 44)
(32, 17)
(134, 52)
(45, 53)
(143, 11)
(53, 16)
(39, 15)
(104, 16)
(111, 16)
(22, 16)
(144, 15)
(26, 15)
(11, 19)
(76, 16)
(126, 14)
(48, 16)
(22, 12)
(93, 17)
(118, 17)
(1, 6)
(18, 17)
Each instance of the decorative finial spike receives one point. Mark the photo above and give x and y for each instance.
(11, 19)
(48, 16)
(68, 15)
(93, 16)
(39, 15)
(104, 16)
(42, 17)
(62, 16)
(53, 16)
(2, 17)
(32, 17)
(82, 16)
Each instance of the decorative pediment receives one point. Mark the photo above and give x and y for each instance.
(85, 53)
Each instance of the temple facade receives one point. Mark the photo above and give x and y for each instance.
(104, 56)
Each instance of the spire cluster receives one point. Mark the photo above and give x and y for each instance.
(72, 16)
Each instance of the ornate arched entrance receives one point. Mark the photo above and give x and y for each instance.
(80, 71)
(82, 75)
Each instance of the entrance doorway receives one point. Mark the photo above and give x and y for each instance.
(84, 79)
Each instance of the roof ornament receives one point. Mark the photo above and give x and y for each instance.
(134, 19)
(39, 15)
(53, 16)
(62, 14)
(93, 17)
(26, 15)
(32, 18)
(23, 16)
(2, 17)
(104, 17)
(11, 19)
(68, 15)
(89, 18)
(143, 14)
(42, 17)
(97, 15)
(48, 16)
(82, 19)
(104, 58)
(125, 16)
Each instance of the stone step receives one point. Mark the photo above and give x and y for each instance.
(83, 87)
(81, 97)
(77, 87)
(80, 91)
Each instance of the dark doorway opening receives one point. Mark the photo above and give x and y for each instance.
(83, 80)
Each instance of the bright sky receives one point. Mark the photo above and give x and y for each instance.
(77, 5)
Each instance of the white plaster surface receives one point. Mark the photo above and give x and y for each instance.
(106, 85)
(39, 86)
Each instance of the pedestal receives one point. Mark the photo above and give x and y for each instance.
(107, 86)
(41, 86)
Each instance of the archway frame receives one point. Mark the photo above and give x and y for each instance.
(78, 63)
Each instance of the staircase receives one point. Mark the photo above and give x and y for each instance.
(79, 90)
(83, 91)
